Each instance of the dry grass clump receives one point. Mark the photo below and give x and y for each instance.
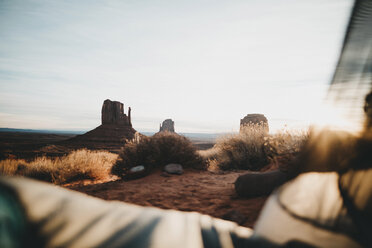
(330, 150)
(285, 146)
(10, 166)
(241, 151)
(156, 151)
(253, 148)
(77, 165)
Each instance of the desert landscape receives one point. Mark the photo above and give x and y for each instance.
(99, 163)
(186, 124)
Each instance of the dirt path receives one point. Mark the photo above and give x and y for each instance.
(202, 191)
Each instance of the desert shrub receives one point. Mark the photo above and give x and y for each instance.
(156, 151)
(252, 149)
(89, 164)
(328, 150)
(11, 166)
(77, 165)
(285, 146)
(241, 151)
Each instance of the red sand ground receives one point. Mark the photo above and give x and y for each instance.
(205, 192)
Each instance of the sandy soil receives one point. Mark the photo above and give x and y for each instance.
(206, 192)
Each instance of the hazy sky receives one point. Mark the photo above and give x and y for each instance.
(205, 64)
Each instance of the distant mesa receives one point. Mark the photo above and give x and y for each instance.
(113, 113)
(167, 126)
(115, 130)
(255, 119)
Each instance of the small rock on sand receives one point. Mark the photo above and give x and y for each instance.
(173, 169)
(136, 172)
(138, 168)
(256, 184)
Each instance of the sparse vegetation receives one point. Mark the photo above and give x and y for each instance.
(253, 148)
(285, 146)
(156, 151)
(329, 150)
(80, 164)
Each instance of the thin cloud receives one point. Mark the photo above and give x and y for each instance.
(195, 61)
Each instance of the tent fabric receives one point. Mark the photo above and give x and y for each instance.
(13, 224)
(356, 190)
(309, 208)
(64, 218)
(352, 79)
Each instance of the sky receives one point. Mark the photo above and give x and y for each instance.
(204, 64)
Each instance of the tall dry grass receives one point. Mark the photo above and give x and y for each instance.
(253, 148)
(331, 150)
(285, 146)
(77, 165)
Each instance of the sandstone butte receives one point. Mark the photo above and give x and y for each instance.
(167, 126)
(115, 129)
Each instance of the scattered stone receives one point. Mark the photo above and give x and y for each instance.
(255, 119)
(138, 168)
(136, 172)
(236, 216)
(173, 169)
(255, 184)
(167, 126)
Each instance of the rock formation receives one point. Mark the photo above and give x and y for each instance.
(113, 113)
(115, 130)
(255, 119)
(256, 184)
(168, 125)
(174, 169)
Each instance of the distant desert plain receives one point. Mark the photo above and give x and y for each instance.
(115, 162)
(207, 192)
